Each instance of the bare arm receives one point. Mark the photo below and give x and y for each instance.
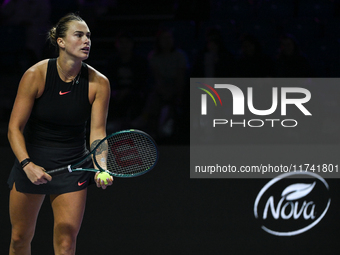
(30, 87)
(100, 88)
(100, 104)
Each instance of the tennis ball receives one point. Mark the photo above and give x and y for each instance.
(103, 176)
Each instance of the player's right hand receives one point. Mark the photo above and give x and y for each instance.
(100, 183)
(36, 174)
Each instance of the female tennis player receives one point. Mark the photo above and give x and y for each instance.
(55, 99)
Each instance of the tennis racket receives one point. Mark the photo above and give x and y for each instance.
(127, 153)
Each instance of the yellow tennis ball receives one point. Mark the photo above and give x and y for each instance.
(103, 176)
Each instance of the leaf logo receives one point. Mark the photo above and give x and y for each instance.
(297, 191)
(292, 211)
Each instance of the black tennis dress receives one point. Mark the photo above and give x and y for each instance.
(55, 134)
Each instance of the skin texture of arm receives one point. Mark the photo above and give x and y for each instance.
(31, 87)
(99, 97)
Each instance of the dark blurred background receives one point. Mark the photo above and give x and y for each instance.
(131, 41)
(149, 50)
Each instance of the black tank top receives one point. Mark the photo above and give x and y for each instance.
(59, 116)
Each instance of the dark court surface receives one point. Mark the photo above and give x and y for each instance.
(166, 212)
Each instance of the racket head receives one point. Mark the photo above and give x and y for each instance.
(127, 153)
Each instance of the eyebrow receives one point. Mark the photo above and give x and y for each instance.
(82, 32)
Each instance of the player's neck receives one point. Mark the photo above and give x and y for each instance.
(68, 67)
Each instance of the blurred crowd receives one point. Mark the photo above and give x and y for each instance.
(150, 90)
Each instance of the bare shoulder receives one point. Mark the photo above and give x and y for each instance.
(39, 69)
(97, 77)
(99, 85)
(34, 78)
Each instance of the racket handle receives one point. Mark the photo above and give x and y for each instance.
(61, 170)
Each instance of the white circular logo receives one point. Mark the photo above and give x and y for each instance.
(292, 203)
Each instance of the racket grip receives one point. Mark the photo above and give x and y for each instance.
(61, 170)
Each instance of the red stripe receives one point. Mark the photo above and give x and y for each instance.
(214, 92)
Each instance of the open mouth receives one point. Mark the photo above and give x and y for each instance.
(86, 49)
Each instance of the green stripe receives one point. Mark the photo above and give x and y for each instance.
(209, 95)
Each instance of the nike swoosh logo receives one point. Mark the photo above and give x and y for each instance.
(63, 93)
(81, 183)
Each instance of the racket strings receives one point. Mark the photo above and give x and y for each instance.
(130, 154)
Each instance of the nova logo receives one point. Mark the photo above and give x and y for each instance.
(239, 99)
(287, 207)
